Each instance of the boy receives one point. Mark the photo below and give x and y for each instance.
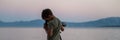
(52, 25)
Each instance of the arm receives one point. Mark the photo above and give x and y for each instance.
(49, 29)
(45, 28)
(50, 32)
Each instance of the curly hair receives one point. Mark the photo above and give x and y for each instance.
(46, 13)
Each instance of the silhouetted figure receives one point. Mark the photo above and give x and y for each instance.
(52, 25)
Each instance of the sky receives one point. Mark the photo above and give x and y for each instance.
(65, 10)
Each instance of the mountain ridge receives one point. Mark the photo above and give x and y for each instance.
(104, 22)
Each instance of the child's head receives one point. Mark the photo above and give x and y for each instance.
(47, 14)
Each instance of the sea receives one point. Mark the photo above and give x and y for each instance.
(67, 34)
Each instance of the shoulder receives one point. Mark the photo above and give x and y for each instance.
(57, 19)
(52, 21)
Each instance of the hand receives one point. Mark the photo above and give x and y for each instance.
(62, 28)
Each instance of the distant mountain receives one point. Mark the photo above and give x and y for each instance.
(104, 22)
(33, 23)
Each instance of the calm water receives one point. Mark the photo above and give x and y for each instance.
(68, 34)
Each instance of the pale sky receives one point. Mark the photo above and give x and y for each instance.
(65, 10)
